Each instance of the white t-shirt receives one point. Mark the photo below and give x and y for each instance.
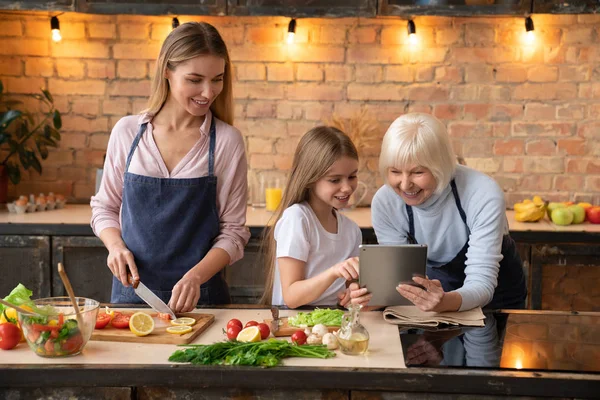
(300, 235)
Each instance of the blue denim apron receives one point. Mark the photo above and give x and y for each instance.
(511, 290)
(169, 225)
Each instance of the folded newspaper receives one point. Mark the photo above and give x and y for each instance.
(411, 315)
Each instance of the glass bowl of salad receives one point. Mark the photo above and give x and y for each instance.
(53, 329)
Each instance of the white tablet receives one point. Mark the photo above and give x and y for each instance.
(382, 268)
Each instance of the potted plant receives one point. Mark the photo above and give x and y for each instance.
(25, 137)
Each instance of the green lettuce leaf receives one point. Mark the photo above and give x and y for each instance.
(19, 296)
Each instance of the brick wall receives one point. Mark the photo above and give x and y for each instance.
(527, 114)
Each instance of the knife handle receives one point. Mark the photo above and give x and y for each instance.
(133, 282)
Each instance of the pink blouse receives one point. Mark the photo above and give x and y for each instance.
(230, 169)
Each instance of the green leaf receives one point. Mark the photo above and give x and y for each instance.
(57, 120)
(48, 95)
(4, 137)
(14, 146)
(14, 173)
(7, 118)
(54, 133)
(35, 164)
(47, 141)
(24, 158)
(23, 129)
(42, 149)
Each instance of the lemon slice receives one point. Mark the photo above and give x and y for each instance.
(141, 324)
(183, 321)
(249, 334)
(179, 329)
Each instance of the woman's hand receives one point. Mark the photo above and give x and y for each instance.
(347, 269)
(119, 258)
(186, 294)
(426, 300)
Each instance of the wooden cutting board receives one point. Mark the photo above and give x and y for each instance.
(160, 334)
(287, 330)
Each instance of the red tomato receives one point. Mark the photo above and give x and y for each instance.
(299, 337)
(120, 321)
(593, 214)
(165, 316)
(102, 320)
(264, 329)
(49, 346)
(234, 322)
(250, 323)
(233, 331)
(10, 336)
(73, 343)
(33, 335)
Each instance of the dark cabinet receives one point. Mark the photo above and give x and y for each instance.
(84, 259)
(567, 7)
(26, 260)
(565, 277)
(56, 5)
(143, 7)
(453, 7)
(303, 8)
(246, 278)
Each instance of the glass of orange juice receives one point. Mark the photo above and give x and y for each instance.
(272, 198)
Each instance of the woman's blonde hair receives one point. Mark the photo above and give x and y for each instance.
(418, 139)
(185, 42)
(317, 151)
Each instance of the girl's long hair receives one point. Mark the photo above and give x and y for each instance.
(185, 42)
(318, 149)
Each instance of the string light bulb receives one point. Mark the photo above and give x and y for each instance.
(55, 28)
(529, 28)
(291, 31)
(175, 22)
(412, 31)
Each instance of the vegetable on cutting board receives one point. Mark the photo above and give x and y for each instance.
(325, 316)
(265, 354)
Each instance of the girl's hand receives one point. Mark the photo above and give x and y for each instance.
(119, 258)
(186, 294)
(344, 297)
(359, 295)
(347, 269)
(425, 300)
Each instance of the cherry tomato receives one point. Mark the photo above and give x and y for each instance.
(73, 343)
(10, 335)
(250, 323)
(265, 331)
(234, 322)
(233, 331)
(49, 347)
(299, 337)
(121, 321)
(102, 320)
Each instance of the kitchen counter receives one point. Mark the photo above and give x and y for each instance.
(143, 369)
(75, 220)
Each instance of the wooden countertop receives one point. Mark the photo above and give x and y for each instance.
(80, 214)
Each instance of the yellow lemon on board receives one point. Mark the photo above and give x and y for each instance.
(183, 321)
(249, 334)
(141, 324)
(179, 329)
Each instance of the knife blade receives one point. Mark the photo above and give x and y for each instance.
(275, 321)
(150, 298)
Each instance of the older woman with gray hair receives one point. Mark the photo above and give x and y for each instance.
(458, 212)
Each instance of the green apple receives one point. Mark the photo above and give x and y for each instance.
(562, 216)
(578, 213)
(553, 206)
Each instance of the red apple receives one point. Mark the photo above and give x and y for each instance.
(593, 214)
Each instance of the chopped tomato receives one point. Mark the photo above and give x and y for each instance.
(33, 335)
(42, 328)
(165, 316)
(49, 346)
(73, 343)
(121, 321)
(102, 320)
(61, 319)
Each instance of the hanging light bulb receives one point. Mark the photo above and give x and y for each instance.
(412, 31)
(55, 27)
(529, 29)
(175, 22)
(291, 31)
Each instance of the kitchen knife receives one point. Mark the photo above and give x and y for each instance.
(275, 321)
(150, 298)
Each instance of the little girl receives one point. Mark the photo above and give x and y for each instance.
(312, 250)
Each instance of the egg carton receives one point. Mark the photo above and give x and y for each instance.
(39, 203)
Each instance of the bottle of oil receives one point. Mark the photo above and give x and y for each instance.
(353, 337)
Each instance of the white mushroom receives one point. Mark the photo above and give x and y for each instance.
(330, 341)
(313, 339)
(319, 330)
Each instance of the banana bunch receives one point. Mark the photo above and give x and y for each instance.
(530, 210)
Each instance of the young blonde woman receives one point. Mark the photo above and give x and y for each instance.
(457, 211)
(312, 250)
(171, 208)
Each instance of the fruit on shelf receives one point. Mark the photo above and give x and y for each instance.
(553, 206)
(593, 214)
(530, 210)
(578, 213)
(562, 216)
